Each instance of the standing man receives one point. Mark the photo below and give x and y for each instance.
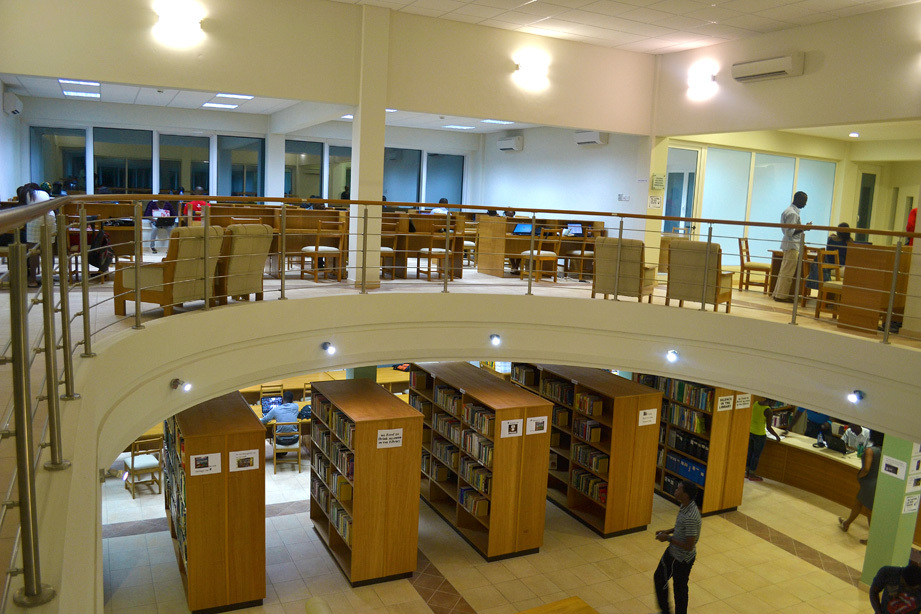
(790, 247)
(762, 415)
(678, 559)
(896, 590)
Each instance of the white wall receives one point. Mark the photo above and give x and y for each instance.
(10, 158)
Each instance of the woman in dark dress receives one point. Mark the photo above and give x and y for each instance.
(866, 477)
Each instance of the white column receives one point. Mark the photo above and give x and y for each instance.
(275, 165)
(368, 131)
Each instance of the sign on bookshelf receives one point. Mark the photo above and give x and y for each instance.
(204, 464)
(648, 417)
(743, 401)
(511, 428)
(243, 460)
(536, 425)
(724, 403)
(390, 438)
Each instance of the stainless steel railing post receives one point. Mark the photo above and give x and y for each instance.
(531, 254)
(620, 240)
(892, 290)
(364, 251)
(138, 259)
(282, 260)
(64, 283)
(206, 273)
(50, 350)
(799, 276)
(33, 592)
(448, 262)
(703, 291)
(85, 286)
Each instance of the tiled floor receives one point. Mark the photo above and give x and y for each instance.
(781, 552)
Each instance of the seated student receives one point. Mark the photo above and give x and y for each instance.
(856, 437)
(286, 412)
(440, 210)
(839, 242)
(195, 206)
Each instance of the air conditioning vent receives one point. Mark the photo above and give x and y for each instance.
(590, 137)
(772, 68)
(511, 143)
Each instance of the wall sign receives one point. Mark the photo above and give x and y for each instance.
(911, 504)
(390, 438)
(724, 403)
(203, 464)
(743, 401)
(894, 467)
(243, 460)
(655, 202)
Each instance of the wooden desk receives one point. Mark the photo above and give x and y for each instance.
(407, 244)
(295, 384)
(867, 283)
(496, 242)
(151, 433)
(304, 427)
(388, 377)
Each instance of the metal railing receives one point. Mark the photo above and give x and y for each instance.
(310, 246)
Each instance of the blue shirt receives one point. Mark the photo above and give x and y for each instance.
(286, 412)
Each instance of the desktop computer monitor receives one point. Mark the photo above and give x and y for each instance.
(522, 229)
(575, 230)
(269, 402)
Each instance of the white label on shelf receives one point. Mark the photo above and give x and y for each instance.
(536, 426)
(574, 382)
(243, 460)
(511, 428)
(390, 438)
(894, 467)
(462, 391)
(724, 403)
(743, 401)
(911, 504)
(204, 464)
(648, 416)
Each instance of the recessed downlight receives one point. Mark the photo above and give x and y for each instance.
(671, 355)
(81, 94)
(854, 135)
(495, 339)
(495, 121)
(458, 127)
(237, 96)
(76, 82)
(219, 105)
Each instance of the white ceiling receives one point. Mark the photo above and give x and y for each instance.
(882, 131)
(647, 26)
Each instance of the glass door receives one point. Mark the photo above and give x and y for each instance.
(680, 188)
(865, 203)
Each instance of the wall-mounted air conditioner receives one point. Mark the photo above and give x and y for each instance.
(11, 103)
(590, 137)
(772, 68)
(511, 143)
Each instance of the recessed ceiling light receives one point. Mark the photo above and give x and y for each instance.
(495, 339)
(82, 94)
(671, 355)
(238, 96)
(219, 105)
(455, 127)
(391, 110)
(75, 82)
(854, 135)
(349, 116)
(495, 121)
(856, 396)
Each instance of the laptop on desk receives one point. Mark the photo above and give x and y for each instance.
(522, 229)
(575, 230)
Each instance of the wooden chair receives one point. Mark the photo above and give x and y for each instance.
(288, 448)
(329, 244)
(470, 243)
(179, 278)
(829, 294)
(687, 272)
(433, 250)
(271, 390)
(388, 248)
(547, 252)
(241, 268)
(584, 253)
(749, 267)
(144, 461)
(636, 278)
(308, 389)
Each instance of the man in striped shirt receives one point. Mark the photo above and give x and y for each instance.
(679, 557)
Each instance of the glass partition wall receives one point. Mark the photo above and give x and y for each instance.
(444, 178)
(58, 156)
(303, 169)
(240, 166)
(122, 161)
(184, 162)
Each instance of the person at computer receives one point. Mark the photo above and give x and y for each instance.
(856, 438)
(440, 210)
(790, 247)
(286, 412)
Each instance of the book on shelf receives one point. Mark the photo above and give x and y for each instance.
(689, 419)
(591, 457)
(448, 398)
(475, 474)
(554, 463)
(559, 390)
(446, 452)
(341, 487)
(473, 501)
(480, 418)
(342, 521)
(524, 375)
(477, 446)
(560, 416)
(589, 430)
(554, 439)
(588, 404)
(590, 485)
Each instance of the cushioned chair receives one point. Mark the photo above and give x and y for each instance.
(581, 258)
(686, 274)
(545, 257)
(749, 267)
(635, 278)
(179, 278)
(433, 250)
(329, 244)
(144, 461)
(241, 268)
(289, 448)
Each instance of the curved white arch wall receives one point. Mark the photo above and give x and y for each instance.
(125, 388)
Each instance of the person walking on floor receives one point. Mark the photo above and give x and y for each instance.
(762, 415)
(790, 247)
(866, 477)
(679, 557)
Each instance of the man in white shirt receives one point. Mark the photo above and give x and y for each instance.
(790, 246)
(856, 437)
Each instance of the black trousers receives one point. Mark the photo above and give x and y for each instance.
(678, 572)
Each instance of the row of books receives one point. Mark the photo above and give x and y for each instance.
(320, 407)
(448, 426)
(589, 485)
(446, 452)
(694, 395)
(343, 426)
(473, 501)
(342, 521)
(435, 470)
(449, 399)
(320, 494)
(686, 468)
(341, 487)
(559, 390)
(589, 404)
(589, 430)
(322, 467)
(480, 418)
(590, 457)
(422, 405)
(344, 459)
(477, 446)
(561, 416)
(475, 474)
(687, 418)
(320, 436)
(524, 375)
(420, 380)
(687, 443)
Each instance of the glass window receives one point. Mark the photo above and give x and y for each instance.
(303, 169)
(123, 161)
(402, 174)
(184, 163)
(726, 196)
(340, 172)
(58, 156)
(679, 190)
(240, 164)
(444, 178)
(772, 192)
(817, 179)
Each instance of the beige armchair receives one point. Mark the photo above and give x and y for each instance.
(636, 278)
(179, 278)
(241, 269)
(686, 272)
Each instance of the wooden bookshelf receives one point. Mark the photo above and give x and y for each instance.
(703, 436)
(489, 487)
(364, 500)
(620, 458)
(217, 513)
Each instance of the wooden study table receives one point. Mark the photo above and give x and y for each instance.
(389, 378)
(407, 244)
(304, 427)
